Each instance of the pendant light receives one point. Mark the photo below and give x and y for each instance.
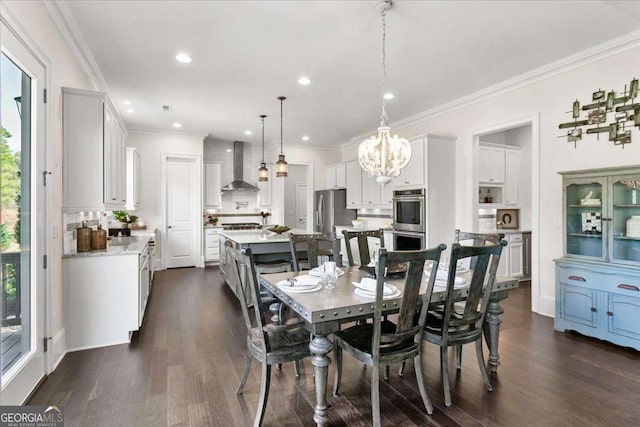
(263, 172)
(384, 155)
(281, 165)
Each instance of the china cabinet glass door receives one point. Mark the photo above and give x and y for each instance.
(625, 218)
(586, 224)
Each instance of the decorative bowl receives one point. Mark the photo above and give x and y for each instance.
(279, 229)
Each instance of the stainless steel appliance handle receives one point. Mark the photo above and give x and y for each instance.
(408, 199)
(319, 212)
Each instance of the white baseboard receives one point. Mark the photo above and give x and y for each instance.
(58, 347)
(547, 306)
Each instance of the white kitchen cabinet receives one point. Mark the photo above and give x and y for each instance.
(336, 176)
(370, 191)
(265, 193)
(212, 185)
(94, 154)
(412, 175)
(511, 259)
(211, 245)
(133, 180)
(491, 165)
(511, 176)
(354, 184)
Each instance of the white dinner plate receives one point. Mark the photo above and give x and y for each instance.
(367, 294)
(388, 288)
(299, 289)
(316, 273)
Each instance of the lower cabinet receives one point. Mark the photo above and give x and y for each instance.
(598, 300)
(512, 257)
(105, 298)
(211, 245)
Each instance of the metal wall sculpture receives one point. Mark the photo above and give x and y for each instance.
(606, 114)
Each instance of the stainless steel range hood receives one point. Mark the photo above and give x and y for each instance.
(238, 184)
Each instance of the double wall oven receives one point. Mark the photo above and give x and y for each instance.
(409, 230)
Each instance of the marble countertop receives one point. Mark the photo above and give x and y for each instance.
(506, 231)
(245, 237)
(117, 246)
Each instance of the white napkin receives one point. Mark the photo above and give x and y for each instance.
(304, 281)
(369, 285)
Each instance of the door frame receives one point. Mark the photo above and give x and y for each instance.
(197, 246)
(56, 346)
(532, 120)
(309, 213)
(310, 191)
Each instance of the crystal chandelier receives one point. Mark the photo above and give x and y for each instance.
(281, 165)
(384, 155)
(263, 172)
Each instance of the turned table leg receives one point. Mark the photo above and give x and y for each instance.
(320, 346)
(492, 332)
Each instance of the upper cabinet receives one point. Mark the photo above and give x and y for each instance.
(413, 174)
(94, 158)
(336, 176)
(212, 185)
(498, 175)
(265, 193)
(354, 187)
(133, 182)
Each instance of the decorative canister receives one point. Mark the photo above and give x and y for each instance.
(83, 238)
(99, 238)
(633, 226)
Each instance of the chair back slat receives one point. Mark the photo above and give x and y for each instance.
(309, 246)
(363, 244)
(470, 319)
(410, 320)
(243, 272)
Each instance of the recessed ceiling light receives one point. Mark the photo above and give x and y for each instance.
(126, 102)
(129, 110)
(304, 80)
(305, 138)
(228, 150)
(248, 132)
(183, 57)
(389, 95)
(177, 125)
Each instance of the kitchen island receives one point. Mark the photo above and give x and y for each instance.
(267, 247)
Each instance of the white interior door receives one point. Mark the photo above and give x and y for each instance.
(182, 193)
(301, 206)
(23, 216)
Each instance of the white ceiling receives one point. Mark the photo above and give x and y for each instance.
(247, 53)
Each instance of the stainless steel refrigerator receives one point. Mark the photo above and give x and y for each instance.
(330, 209)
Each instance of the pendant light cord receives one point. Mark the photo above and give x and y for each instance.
(262, 117)
(281, 100)
(383, 116)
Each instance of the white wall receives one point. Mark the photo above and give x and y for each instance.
(549, 98)
(152, 147)
(40, 31)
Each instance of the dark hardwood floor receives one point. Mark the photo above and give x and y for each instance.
(183, 368)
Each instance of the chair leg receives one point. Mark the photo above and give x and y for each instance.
(417, 362)
(245, 373)
(444, 366)
(401, 370)
(483, 367)
(296, 366)
(375, 394)
(458, 357)
(386, 372)
(337, 353)
(264, 394)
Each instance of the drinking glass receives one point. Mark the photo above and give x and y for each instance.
(322, 261)
(331, 273)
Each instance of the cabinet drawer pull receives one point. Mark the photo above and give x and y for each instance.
(577, 278)
(593, 309)
(629, 287)
(609, 313)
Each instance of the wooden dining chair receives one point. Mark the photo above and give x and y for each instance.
(363, 244)
(456, 323)
(305, 249)
(270, 344)
(383, 342)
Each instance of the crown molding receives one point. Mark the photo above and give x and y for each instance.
(158, 131)
(66, 23)
(595, 53)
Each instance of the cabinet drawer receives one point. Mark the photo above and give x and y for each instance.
(212, 243)
(211, 254)
(211, 232)
(577, 276)
(515, 238)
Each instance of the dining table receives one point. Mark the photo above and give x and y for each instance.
(325, 309)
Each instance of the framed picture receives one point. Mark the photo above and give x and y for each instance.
(508, 217)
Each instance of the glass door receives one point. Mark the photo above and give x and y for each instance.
(625, 219)
(586, 218)
(22, 219)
